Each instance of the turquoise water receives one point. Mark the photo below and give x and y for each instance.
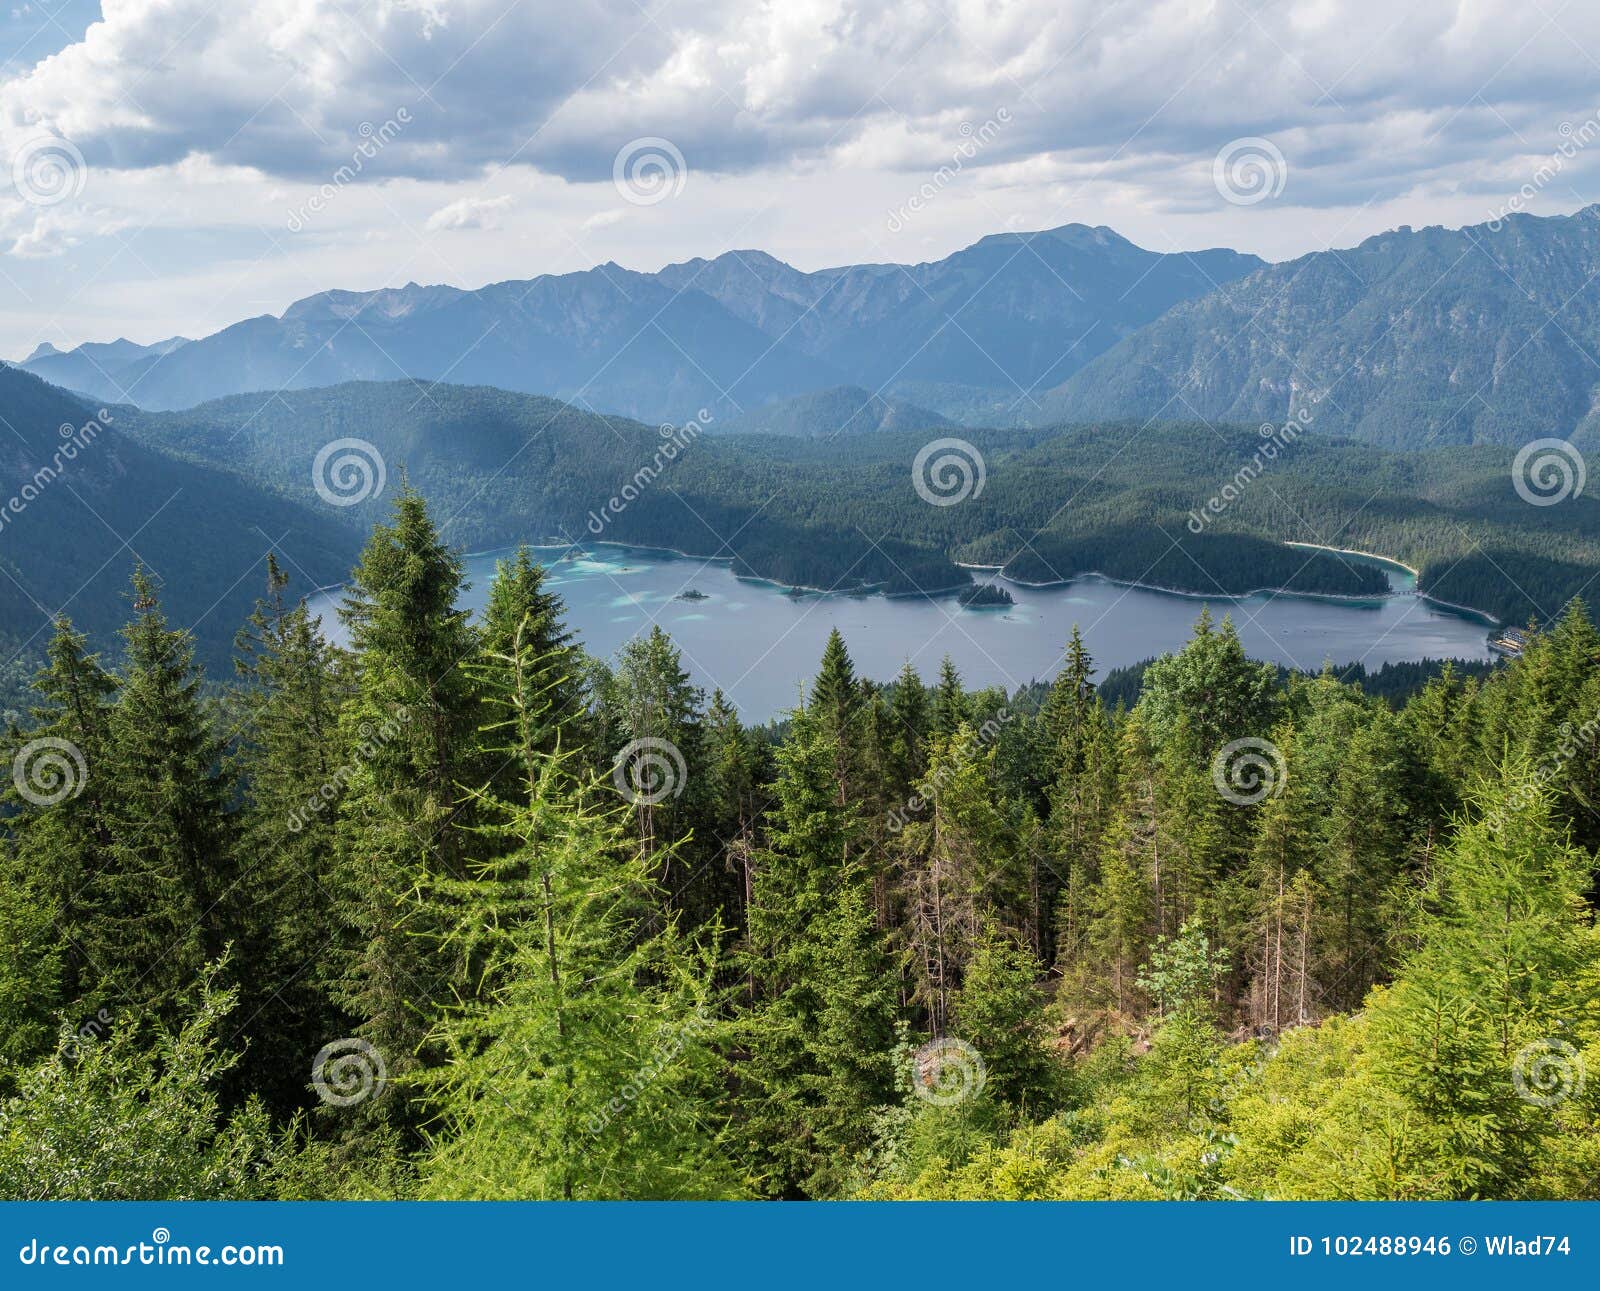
(760, 642)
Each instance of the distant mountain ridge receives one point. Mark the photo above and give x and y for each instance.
(994, 324)
(1426, 337)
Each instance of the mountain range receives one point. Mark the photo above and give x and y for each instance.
(988, 327)
(1485, 334)
(1434, 336)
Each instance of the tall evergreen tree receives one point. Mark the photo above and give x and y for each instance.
(404, 820)
(172, 904)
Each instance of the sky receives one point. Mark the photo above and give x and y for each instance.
(172, 166)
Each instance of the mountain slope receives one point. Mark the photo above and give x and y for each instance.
(92, 367)
(501, 468)
(86, 502)
(1007, 316)
(844, 410)
(853, 512)
(1425, 337)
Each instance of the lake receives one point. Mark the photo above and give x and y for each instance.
(759, 641)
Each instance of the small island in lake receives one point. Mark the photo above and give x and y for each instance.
(982, 596)
(691, 594)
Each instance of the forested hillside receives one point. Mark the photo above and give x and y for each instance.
(851, 511)
(460, 912)
(86, 499)
(1413, 338)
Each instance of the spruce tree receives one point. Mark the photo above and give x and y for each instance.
(293, 766)
(404, 819)
(56, 886)
(172, 903)
(584, 1071)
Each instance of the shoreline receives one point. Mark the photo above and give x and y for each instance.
(999, 572)
(1482, 615)
(1351, 551)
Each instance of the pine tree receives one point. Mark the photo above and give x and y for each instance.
(959, 860)
(999, 1010)
(655, 715)
(292, 763)
(171, 902)
(521, 608)
(950, 707)
(1222, 694)
(404, 820)
(56, 885)
(585, 1069)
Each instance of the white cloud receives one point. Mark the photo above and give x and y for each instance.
(802, 122)
(469, 213)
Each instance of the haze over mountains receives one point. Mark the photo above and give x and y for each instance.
(1430, 338)
(986, 328)
(1414, 337)
(1486, 334)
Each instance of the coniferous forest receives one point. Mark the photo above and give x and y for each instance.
(462, 912)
